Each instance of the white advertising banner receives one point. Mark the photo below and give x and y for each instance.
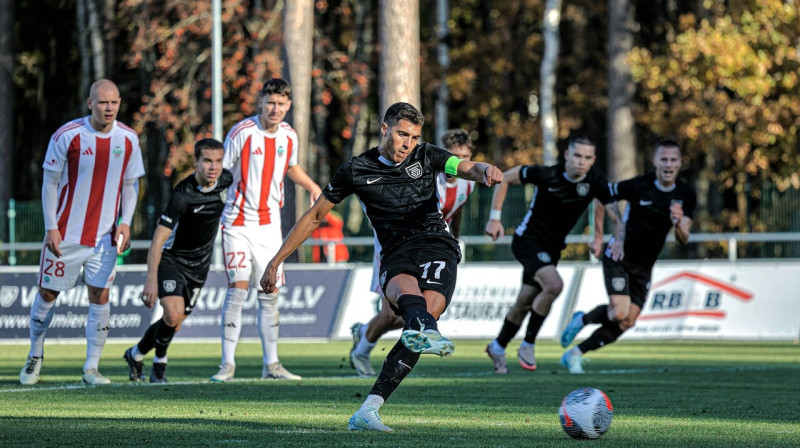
(483, 295)
(709, 300)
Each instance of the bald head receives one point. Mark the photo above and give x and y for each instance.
(104, 103)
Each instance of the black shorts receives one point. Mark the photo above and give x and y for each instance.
(176, 279)
(433, 261)
(533, 255)
(627, 279)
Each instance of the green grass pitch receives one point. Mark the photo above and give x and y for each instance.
(665, 394)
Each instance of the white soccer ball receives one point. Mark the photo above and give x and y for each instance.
(586, 413)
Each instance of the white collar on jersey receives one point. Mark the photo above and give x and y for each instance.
(663, 188)
(566, 176)
(206, 190)
(386, 161)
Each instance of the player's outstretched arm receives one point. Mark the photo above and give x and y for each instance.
(494, 227)
(299, 233)
(480, 172)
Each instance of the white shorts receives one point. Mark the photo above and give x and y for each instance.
(94, 266)
(247, 250)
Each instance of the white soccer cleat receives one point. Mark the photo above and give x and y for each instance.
(573, 361)
(225, 373)
(428, 342)
(526, 359)
(92, 377)
(367, 420)
(499, 360)
(572, 329)
(359, 362)
(29, 375)
(362, 364)
(276, 371)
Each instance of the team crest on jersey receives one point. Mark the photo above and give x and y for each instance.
(462, 197)
(544, 257)
(8, 295)
(281, 150)
(223, 195)
(169, 285)
(618, 283)
(117, 151)
(583, 189)
(415, 170)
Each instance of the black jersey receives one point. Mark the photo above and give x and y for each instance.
(646, 216)
(401, 201)
(558, 201)
(193, 216)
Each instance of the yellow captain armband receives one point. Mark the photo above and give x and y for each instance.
(451, 166)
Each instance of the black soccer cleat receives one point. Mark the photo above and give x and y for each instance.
(135, 367)
(158, 374)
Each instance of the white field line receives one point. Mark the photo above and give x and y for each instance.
(458, 375)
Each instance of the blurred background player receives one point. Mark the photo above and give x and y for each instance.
(91, 179)
(260, 151)
(453, 193)
(396, 183)
(563, 191)
(180, 255)
(657, 202)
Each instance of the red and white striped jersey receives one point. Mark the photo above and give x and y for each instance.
(452, 196)
(92, 166)
(259, 161)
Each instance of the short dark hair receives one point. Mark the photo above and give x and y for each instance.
(456, 137)
(403, 111)
(206, 143)
(277, 86)
(668, 143)
(580, 139)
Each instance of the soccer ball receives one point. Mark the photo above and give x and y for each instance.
(586, 413)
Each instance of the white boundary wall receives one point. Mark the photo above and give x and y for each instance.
(709, 300)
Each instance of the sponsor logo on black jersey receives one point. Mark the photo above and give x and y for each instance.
(583, 189)
(414, 170)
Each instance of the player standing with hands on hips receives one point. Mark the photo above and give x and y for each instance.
(91, 182)
(396, 183)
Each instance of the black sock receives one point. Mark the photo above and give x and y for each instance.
(163, 336)
(507, 332)
(606, 334)
(598, 315)
(396, 366)
(534, 325)
(414, 310)
(148, 341)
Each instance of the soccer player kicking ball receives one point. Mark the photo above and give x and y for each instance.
(453, 194)
(180, 255)
(657, 202)
(396, 184)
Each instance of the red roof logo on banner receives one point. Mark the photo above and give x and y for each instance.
(677, 303)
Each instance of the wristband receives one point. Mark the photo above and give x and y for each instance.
(494, 215)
